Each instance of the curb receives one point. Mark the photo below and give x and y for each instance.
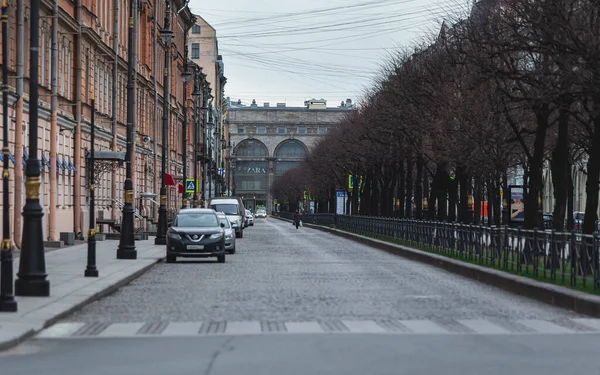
(555, 295)
(101, 294)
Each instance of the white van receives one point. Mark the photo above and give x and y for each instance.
(234, 209)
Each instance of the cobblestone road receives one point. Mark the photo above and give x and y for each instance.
(283, 274)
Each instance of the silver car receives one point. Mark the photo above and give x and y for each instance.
(229, 233)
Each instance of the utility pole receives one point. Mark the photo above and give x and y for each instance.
(167, 36)
(126, 249)
(7, 299)
(32, 275)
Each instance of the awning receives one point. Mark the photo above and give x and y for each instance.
(61, 163)
(72, 166)
(169, 180)
(46, 161)
(180, 188)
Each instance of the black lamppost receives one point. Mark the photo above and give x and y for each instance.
(91, 270)
(167, 37)
(7, 299)
(126, 249)
(197, 94)
(31, 278)
(186, 78)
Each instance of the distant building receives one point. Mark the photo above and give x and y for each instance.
(268, 140)
(204, 51)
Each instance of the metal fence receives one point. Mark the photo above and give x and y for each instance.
(560, 257)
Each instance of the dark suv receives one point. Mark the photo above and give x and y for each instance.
(196, 233)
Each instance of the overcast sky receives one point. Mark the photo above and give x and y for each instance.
(289, 51)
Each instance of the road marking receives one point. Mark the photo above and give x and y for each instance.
(423, 326)
(304, 327)
(592, 323)
(419, 327)
(243, 328)
(363, 326)
(543, 326)
(60, 330)
(483, 326)
(121, 330)
(182, 329)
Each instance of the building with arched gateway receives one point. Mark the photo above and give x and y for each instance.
(266, 141)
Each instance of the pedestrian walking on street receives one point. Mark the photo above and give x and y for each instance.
(296, 219)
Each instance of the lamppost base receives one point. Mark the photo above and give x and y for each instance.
(91, 272)
(127, 253)
(8, 305)
(160, 241)
(32, 287)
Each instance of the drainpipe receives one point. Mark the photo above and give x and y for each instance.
(137, 95)
(18, 205)
(53, 126)
(77, 132)
(115, 81)
(155, 122)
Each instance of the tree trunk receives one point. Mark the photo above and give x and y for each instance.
(453, 199)
(536, 164)
(409, 187)
(419, 188)
(400, 190)
(463, 195)
(593, 175)
(477, 201)
(560, 167)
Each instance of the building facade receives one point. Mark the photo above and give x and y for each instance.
(83, 56)
(204, 51)
(269, 140)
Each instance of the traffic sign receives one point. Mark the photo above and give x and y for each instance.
(191, 185)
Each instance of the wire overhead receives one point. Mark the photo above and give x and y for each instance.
(278, 42)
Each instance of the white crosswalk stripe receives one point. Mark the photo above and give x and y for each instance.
(232, 328)
(483, 326)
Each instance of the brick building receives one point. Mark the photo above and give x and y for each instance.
(90, 61)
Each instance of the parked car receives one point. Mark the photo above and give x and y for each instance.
(233, 207)
(196, 233)
(250, 218)
(261, 213)
(229, 233)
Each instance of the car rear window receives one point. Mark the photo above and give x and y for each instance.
(227, 209)
(196, 220)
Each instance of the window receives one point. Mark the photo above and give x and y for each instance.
(195, 50)
(240, 130)
(196, 29)
(281, 130)
(261, 129)
(322, 129)
(302, 129)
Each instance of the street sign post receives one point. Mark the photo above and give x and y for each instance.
(191, 185)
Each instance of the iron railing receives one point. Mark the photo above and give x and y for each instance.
(559, 257)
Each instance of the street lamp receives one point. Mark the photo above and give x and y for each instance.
(126, 249)
(167, 37)
(186, 77)
(91, 270)
(7, 299)
(197, 94)
(32, 274)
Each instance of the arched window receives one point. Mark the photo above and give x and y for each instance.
(251, 148)
(291, 150)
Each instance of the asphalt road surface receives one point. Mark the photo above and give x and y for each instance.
(306, 302)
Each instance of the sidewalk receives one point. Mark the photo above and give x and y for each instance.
(70, 290)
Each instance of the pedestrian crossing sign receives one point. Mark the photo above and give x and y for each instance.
(191, 185)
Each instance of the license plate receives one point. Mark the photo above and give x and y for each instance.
(195, 247)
